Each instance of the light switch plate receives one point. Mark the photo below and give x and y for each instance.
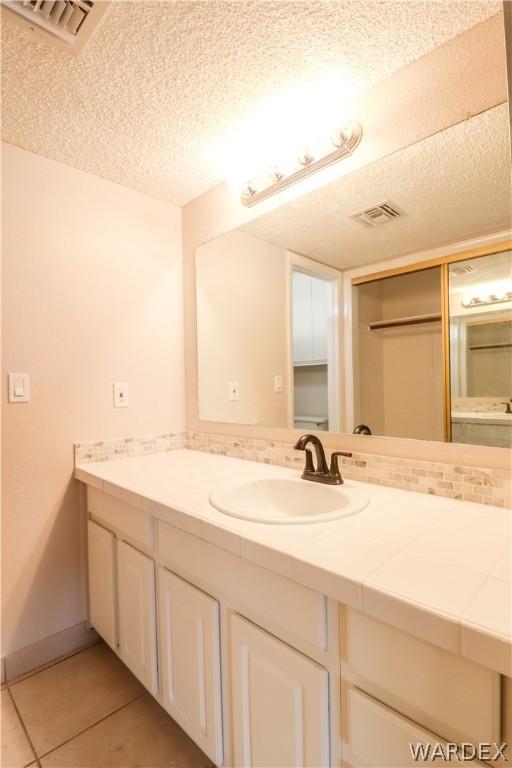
(120, 394)
(19, 388)
(278, 382)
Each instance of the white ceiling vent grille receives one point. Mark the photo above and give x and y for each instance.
(68, 23)
(464, 270)
(377, 214)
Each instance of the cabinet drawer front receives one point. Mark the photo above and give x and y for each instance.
(299, 610)
(137, 614)
(190, 661)
(378, 737)
(280, 702)
(100, 552)
(448, 694)
(115, 514)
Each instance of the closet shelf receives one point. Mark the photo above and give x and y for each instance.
(310, 363)
(377, 325)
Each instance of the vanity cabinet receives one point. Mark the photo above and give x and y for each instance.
(280, 702)
(137, 619)
(263, 671)
(190, 661)
(102, 581)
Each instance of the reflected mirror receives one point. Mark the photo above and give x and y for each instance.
(301, 324)
(480, 294)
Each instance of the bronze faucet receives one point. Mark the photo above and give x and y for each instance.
(321, 474)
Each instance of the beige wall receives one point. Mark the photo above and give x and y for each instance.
(242, 329)
(92, 295)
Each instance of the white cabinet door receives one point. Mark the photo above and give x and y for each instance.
(190, 661)
(302, 320)
(102, 613)
(280, 702)
(319, 318)
(137, 622)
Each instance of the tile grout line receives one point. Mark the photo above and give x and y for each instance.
(92, 725)
(36, 760)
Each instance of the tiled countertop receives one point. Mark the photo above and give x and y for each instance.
(436, 568)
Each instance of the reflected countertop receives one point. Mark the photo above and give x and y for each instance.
(482, 417)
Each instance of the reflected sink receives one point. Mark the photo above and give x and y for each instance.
(287, 501)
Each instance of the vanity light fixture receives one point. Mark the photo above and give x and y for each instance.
(480, 301)
(341, 144)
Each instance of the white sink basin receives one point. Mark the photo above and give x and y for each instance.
(287, 501)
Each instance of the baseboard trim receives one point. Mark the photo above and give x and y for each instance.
(45, 651)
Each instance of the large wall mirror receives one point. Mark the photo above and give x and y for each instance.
(292, 332)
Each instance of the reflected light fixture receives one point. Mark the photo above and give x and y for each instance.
(482, 301)
(339, 145)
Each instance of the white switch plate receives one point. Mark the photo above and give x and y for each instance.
(19, 388)
(234, 393)
(120, 394)
(278, 382)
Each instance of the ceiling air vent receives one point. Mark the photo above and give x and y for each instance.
(463, 270)
(377, 214)
(67, 23)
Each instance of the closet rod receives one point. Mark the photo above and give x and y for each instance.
(491, 346)
(376, 325)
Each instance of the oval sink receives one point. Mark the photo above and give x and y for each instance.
(287, 501)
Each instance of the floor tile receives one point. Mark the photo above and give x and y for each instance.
(16, 750)
(141, 735)
(61, 701)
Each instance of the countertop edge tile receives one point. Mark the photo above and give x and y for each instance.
(86, 477)
(334, 585)
(438, 628)
(490, 651)
(267, 557)
(112, 489)
(225, 538)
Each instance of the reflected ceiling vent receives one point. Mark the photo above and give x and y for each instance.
(377, 214)
(463, 270)
(65, 23)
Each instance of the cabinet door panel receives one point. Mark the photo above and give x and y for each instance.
(102, 614)
(190, 660)
(137, 623)
(280, 702)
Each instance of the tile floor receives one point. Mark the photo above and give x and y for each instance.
(88, 711)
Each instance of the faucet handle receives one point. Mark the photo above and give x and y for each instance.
(335, 468)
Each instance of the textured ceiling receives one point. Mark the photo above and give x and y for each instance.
(161, 83)
(451, 186)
